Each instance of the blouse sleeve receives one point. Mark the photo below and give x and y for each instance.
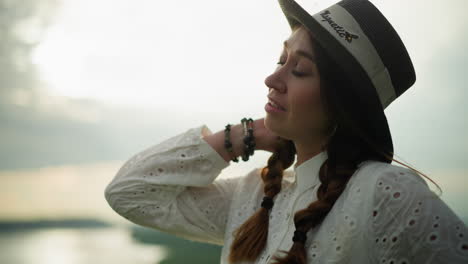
(411, 224)
(171, 187)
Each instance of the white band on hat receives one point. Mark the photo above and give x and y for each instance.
(339, 21)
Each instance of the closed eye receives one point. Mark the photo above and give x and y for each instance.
(295, 73)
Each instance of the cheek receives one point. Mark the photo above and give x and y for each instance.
(308, 101)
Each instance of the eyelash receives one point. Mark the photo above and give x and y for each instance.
(297, 74)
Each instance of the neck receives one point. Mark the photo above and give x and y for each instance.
(307, 151)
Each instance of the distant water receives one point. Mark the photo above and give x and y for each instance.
(76, 246)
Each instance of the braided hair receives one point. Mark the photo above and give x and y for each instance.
(351, 143)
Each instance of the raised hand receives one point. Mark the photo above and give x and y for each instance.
(264, 138)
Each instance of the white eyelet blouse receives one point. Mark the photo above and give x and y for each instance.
(386, 214)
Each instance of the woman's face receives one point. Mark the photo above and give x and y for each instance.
(295, 85)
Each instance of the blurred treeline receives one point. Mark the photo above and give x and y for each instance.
(181, 251)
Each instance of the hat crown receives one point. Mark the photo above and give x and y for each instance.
(359, 38)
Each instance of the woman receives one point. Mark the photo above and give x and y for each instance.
(343, 202)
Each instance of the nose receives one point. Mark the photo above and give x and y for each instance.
(275, 81)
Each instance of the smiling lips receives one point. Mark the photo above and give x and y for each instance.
(275, 104)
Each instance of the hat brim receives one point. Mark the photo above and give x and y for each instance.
(381, 135)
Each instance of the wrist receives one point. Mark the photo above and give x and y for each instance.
(237, 135)
(239, 139)
(258, 131)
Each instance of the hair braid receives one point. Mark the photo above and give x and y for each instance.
(333, 180)
(250, 238)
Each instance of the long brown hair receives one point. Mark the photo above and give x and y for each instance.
(354, 140)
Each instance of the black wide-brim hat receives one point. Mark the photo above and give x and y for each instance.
(357, 36)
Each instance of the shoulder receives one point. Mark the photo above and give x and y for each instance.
(400, 197)
(383, 186)
(407, 219)
(378, 175)
(251, 181)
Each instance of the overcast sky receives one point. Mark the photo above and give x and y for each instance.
(86, 84)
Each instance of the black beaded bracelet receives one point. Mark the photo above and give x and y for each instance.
(249, 139)
(228, 144)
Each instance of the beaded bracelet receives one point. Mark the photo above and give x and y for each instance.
(228, 144)
(249, 139)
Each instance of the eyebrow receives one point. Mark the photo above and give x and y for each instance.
(301, 52)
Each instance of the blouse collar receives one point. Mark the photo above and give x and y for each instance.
(307, 173)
